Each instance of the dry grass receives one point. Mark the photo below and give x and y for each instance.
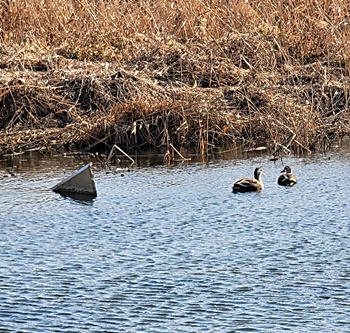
(85, 75)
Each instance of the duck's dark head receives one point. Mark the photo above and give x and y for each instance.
(258, 172)
(287, 169)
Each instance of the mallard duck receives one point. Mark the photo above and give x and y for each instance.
(287, 178)
(249, 184)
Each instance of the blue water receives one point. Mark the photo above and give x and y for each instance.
(171, 249)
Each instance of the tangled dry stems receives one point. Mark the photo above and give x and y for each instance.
(78, 75)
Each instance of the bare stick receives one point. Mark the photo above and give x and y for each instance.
(291, 140)
(302, 146)
(110, 154)
(285, 126)
(171, 145)
(133, 161)
(284, 147)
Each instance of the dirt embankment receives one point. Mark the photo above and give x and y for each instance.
(83, 76)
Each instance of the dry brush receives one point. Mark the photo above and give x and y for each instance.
(85, 75)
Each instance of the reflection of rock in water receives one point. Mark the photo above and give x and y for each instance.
(80, 197)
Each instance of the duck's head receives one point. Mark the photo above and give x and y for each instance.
(258, 172)
(287, 169)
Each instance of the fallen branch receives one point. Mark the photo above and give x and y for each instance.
(131, 159)
(185, 159)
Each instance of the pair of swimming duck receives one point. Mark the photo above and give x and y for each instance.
(287, 178)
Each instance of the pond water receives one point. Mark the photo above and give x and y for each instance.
(171, 249)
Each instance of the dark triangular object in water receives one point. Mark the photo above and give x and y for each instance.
(81, 181)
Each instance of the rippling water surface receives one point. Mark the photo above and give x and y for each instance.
(171, 249)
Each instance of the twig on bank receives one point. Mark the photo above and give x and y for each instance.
(281, 146)
(131, 159)
(172, 146)
(302, 146)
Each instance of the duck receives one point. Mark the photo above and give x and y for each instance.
(287, 178)
(250, 184)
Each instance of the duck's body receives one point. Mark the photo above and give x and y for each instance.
(287, 178)
(249, 184)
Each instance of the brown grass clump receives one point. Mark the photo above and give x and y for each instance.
(85, 75)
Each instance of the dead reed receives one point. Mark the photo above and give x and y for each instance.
(88, 75)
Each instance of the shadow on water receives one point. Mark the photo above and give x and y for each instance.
(52, 166)
(34, 161)
(78, 197)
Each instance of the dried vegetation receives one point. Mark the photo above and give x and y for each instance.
(85, 75)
